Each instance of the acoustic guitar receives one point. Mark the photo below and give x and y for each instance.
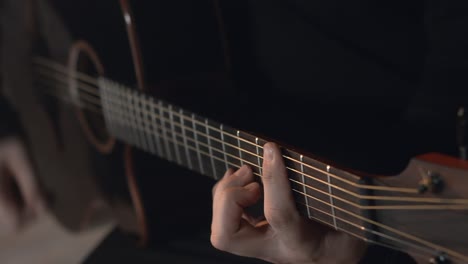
(422, 211)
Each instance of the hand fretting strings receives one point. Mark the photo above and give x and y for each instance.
(90, 101)
(161, 108)
(97, 104)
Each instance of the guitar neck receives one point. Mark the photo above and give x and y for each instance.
(210, 148)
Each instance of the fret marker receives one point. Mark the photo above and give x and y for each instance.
(202, 170)
(181, 113)
(331, 198)
(301, 158)
(221, 127)
(210, 149)
(171, 121)
(240, 150)
(258, 157)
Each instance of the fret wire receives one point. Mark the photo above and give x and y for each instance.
(312, 217)
(338, 178)
(210, 149)
(115, 94)
(139, 119)
(195, 133)
(294, 160)
(258, 156)
(362, 228)
(199, 153)
(304, 188)
(154, 121)
(239, 147)
(431, 252)
(111, 121)
(235, 165)
(122, 115)
(372, 187)
(164, 132)
(332, 206)
(132, 119)
(147, 124)
(126, 104)
(184, 136)
(171, 118)
(106, 109)
(114, 112)
(223, 146)
(314, 178)
(332, 195)
(345, 211)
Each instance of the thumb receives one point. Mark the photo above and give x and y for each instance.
(280, 209)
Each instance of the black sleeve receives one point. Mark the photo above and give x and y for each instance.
(9, 123)
(444, 86)
(382, 255)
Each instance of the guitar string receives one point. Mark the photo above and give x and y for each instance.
(60, 68)
(367, 230)
(313, 197)
(96, 101)
(430, 253)
(393, 230)
(70, 102)
(371, 187)
(88, 88)
(387, 198)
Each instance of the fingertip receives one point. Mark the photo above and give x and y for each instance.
(268, 151)
(230, 171)
(244, 170)
(253, 187)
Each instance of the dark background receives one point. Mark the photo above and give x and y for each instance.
(368, 84)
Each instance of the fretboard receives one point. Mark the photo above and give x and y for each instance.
(210, 148)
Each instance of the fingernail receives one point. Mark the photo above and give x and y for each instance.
(269, 153)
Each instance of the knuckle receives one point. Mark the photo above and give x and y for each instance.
(213, 190)
(280, 218)
(219, 242)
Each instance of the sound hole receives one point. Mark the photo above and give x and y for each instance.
(84, 68)
(90, 99)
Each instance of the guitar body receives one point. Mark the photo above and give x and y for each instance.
(178, 51)
(60, 151)
(77, 171)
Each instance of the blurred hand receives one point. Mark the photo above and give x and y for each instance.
(20, 199)
(285, 236)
